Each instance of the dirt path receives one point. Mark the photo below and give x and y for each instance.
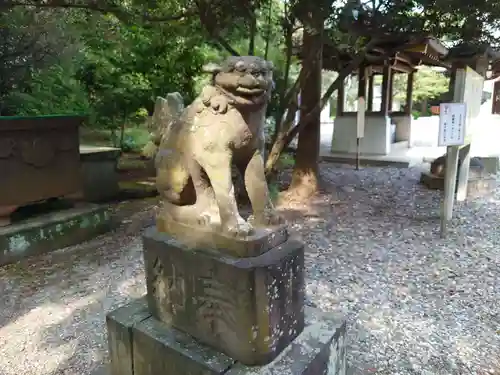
(415, 303)
(53, 307)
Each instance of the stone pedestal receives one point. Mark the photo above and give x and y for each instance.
(139, 344)
(207, 312)
(477, 186)
(99, 172)
(249, 308)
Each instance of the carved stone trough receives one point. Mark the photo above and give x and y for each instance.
(39, 160)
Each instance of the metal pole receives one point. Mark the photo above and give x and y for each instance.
(357, 153)
(450, 185)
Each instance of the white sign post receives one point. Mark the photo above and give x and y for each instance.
(452, 135)
(455, 132)
(452, 126)
(360, 126)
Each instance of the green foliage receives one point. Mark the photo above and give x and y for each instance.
(31, 41)
(133, 141)
(274, 191)
(114, 71)
(428, 84)
(287, 160)
(126, 66)
(51, 91)
(113, 58)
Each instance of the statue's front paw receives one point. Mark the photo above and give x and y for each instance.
(239, 229)
(267, 218)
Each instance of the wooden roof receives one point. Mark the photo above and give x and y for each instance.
(404, 53)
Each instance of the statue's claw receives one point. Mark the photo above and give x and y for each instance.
(240, 229)
(267, 218)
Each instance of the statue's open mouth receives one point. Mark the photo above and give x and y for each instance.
(245, 91)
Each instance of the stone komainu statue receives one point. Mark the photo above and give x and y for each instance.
(224, 126)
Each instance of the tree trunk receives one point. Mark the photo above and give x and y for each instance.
(122, 132)
(225, 45)
(423, 107)
(281, 140)
(305, 173)
(268, 31)
(287, 132)
(253, 34)
(285, 94)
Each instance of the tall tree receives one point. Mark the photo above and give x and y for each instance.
(305, 173)
(31, 39)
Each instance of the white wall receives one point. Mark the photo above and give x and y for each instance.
(377, 137)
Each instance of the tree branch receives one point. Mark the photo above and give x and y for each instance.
(343, 73)
(283, 138)
(97, 7)
(225, 45)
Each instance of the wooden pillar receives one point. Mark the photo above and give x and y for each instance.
(386, 78)
(340, 98)
(409, 93)
(369, 102)
(362, 82)
(481, 65)
(360, 112)
(391, 87)
(453, 78)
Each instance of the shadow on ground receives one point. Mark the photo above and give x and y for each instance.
(414, 302)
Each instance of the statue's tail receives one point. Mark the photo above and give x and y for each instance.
(166, 112)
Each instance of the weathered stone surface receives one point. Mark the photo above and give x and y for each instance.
(438, 166)
(99, 172)
(477, 186)
(223, 127)
(159, 349)
(162, 350)
(491, 163)
(120, 323)
(262, 240)
(319, 350)
(52, 231)
(480, 187)
(39, 158)
(248, 308)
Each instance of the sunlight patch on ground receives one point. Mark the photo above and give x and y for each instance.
(27, 342)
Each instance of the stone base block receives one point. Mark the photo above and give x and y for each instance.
(491, 163)
(52, 231)
(248, 308)
(99, 171)
(139, 344)
(477, 186)
(254, 245)
(481, 187)
(5, 212)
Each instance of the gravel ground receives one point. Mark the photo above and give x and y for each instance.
(416, 304)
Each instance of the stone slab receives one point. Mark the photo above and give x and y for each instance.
(248, 308)
(159, 349)
(99, 173)
(256, 244)
(52, 231)
(319, 350)
(491, 163)
(476, 187)
(393, 161)
(99, 153)
(120, 323)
